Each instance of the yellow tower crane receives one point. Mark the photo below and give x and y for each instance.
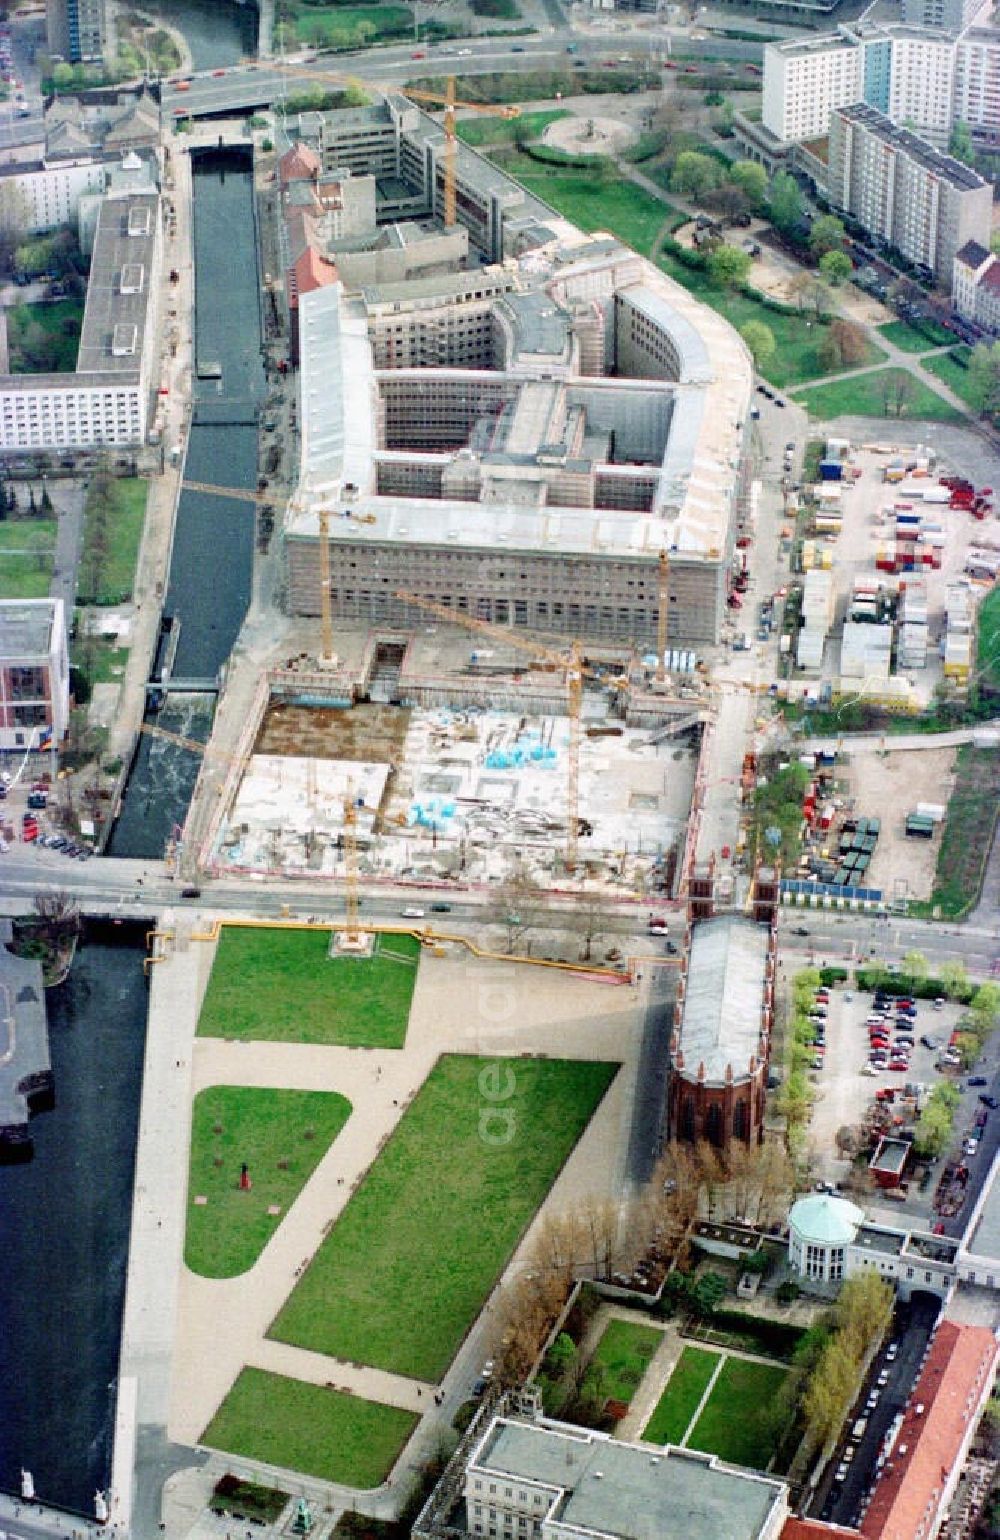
(351, 903)
(434, 98)
(662, 616)
(573, 671)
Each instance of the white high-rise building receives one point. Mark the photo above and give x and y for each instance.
(921, 81)
(804, 80)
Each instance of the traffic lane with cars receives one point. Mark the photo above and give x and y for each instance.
(978, 1165)
(840, 1502)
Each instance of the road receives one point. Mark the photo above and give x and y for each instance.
(840, 1503)
(252, 86)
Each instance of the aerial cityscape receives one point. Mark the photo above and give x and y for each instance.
(499, 769)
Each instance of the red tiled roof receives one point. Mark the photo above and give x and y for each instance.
(300, 161)
(959, 1367)
(311, 271)
(990, 278)
(812, 1529)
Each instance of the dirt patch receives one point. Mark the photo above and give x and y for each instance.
(367, 732)
(888, 786)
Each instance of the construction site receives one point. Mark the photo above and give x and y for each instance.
(428, 762)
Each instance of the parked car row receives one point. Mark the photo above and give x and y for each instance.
(891, 1024)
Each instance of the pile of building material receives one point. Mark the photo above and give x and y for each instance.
(817, 617)
(959, 633)
(911, 636)
(865, 651)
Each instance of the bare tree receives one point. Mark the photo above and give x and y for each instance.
(518, 906)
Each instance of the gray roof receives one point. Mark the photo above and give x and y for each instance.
(26, 627)
(972, 254)
(961, 177)
(632, 1491)
(721, 1024)
(118, 290)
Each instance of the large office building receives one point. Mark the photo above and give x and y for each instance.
(945, 15)
(547, 1480)
(34, 673)
(107, 399)
(520, 440)
(904, 192)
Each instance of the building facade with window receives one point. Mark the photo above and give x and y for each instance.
(107, 399)
(34, 673)
(904, 192)
(821, 1229)
(546, 1480)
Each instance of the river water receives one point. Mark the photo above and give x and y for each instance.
(218, 32)
(211, 568)
(64, 1230)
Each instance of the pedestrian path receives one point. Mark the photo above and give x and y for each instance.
(705, 1398)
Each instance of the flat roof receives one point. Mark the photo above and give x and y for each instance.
(122, 275)
(632, 1491)
(891, 1155)
(961, 177)
(722, 1023)
(26, 627)
(875, 1238)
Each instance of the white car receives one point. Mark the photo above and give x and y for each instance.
(413, 914)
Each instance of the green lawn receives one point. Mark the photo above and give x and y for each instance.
(282, 1136)
(309, 1428)
(44, 338)
(621, 1358)
(874, 395)
(112, 529)
(738, 1422)
(680, 1398)
(915, 339)
(968, 829)
(350, 26)
(950, 370)
(277, 984)
(988, 639)
(486, 131)
(26, 552)
(406, 1268)
(595, 199)
(604, 200)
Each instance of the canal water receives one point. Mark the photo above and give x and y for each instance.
(218, 32)
(64, 1231)
(211, 568)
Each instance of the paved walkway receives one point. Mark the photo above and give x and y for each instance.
(187, 1337)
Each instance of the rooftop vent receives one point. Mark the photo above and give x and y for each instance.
(139, 220)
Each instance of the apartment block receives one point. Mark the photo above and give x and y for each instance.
(81, 31)
(34, 673)
(944, 15)
(976, 97)
(904, 192)
(804, 80)
(921, 81)
(106, 399)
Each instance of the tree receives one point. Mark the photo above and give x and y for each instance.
(954, 979)
(729, 200)
(562, 1355)
(844, 345)
(708, 1293)
(827, 234)
(517, 906)
(983, 378)
(752, 178)
(694, 174)
(785, 203)
(836, 266)
(728, 266)
(62, 75)
(916, 965)
(759, 339)
(960, 144)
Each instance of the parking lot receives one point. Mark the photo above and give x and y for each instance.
(844, 1086)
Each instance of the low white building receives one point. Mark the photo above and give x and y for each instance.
(34, 673)
(821, 1228)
